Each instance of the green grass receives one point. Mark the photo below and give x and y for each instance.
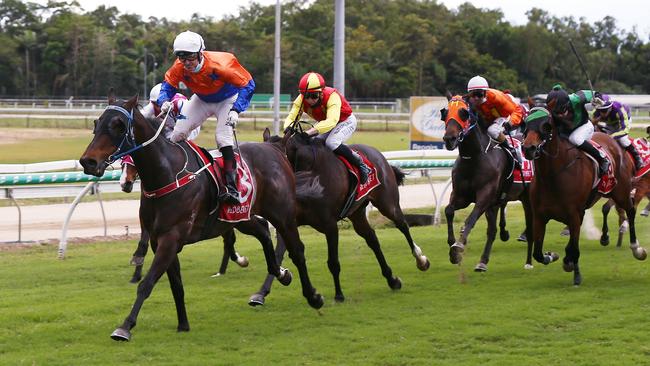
(62, 312)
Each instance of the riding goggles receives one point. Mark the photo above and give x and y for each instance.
(187, 56)
(311, 95)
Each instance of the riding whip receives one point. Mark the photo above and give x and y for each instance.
(582, 66)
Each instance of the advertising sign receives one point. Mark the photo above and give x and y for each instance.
(426, 128)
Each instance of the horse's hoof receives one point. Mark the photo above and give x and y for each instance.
(528, 266)
(645, 212)
(422, 263)
(565, 232)
(456, 253)
(316, 301)
(481, 267)
(395, 283)
(639, 253)
(218, 274)
(577, 279)
(339, 298)
(183, 328)
(522, 238)
(121, 334)
(604, 240)
(552, 257)
(568, 266)
(135, 279)
(256, 299)
(242, 262)
(285, 277)
(504, 235)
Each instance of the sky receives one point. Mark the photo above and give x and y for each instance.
(628, 13)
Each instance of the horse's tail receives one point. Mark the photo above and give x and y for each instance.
(399, 175)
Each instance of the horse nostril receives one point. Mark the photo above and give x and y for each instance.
(88, 164)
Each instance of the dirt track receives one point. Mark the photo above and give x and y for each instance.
(44, 223)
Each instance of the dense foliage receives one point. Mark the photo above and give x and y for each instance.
(394, 48)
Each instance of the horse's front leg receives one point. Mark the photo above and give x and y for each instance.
(539, 230)
(455, 250)
(638, 251)
(572, 249)
(138, 256)
(528, 231)
(167, 247)
(491, 217)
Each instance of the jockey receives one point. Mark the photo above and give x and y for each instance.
(570, 111)
(334, 117)
(497, 109)
(222, 88)
(152, 110)
(617, 124)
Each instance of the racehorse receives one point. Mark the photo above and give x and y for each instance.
(564, 187)
(322, 187)
(480, 175)
(127, 179)
(184, 215)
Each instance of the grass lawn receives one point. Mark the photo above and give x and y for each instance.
(62, 312)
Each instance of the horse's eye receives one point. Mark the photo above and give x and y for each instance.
(117, 127)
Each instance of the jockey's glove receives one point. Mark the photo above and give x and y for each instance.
(166, 106)
(233, 118)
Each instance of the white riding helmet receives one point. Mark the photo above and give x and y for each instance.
(477, 83)
(188, 41)
(155, 92)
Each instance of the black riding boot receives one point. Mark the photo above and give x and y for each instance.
(354, 159)
(638, 163)
(603, 163)
(506, 146)
(231, 195)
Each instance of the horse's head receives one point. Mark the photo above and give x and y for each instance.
(539, 130)
(457, 120)
(300, 150)
(113, 132)
(129, 175)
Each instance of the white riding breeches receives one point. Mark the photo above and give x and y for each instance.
(196, 111)
(340, 133)
(623, 140)
(582, 134)
(495, 129)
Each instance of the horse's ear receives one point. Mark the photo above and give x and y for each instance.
(266, 135)
(111, 96)
(531, 102)
(448, 95)
(131, 102)
(286, 137)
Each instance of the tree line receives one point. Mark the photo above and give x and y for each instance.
(394, 48)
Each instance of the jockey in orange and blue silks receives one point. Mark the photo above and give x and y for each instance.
(497, 109)
(335, 121)
(222, 88)
(617, 119)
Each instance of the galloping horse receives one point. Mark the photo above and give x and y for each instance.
(127, 179)
(564, 186)
(480, 175)
(184, 215)
(322, 187)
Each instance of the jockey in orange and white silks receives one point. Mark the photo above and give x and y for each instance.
(222, 88)
(335, 121)
(497, 109)
(152, 109)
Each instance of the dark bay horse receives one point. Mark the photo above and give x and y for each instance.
(322, 186)
(127, 179)
(480, 175)
(563, 187)
(184, 215)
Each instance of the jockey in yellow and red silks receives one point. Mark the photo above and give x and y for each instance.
(335, 121)
(497, 109)
(222, 88)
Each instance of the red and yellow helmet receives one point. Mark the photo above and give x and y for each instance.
(311, 81)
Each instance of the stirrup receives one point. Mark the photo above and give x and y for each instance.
(364, 171)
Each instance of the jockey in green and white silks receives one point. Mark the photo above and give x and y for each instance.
(572, 119)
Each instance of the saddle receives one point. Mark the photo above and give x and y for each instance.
(358, 191)
(227, 212)
(606, 183)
